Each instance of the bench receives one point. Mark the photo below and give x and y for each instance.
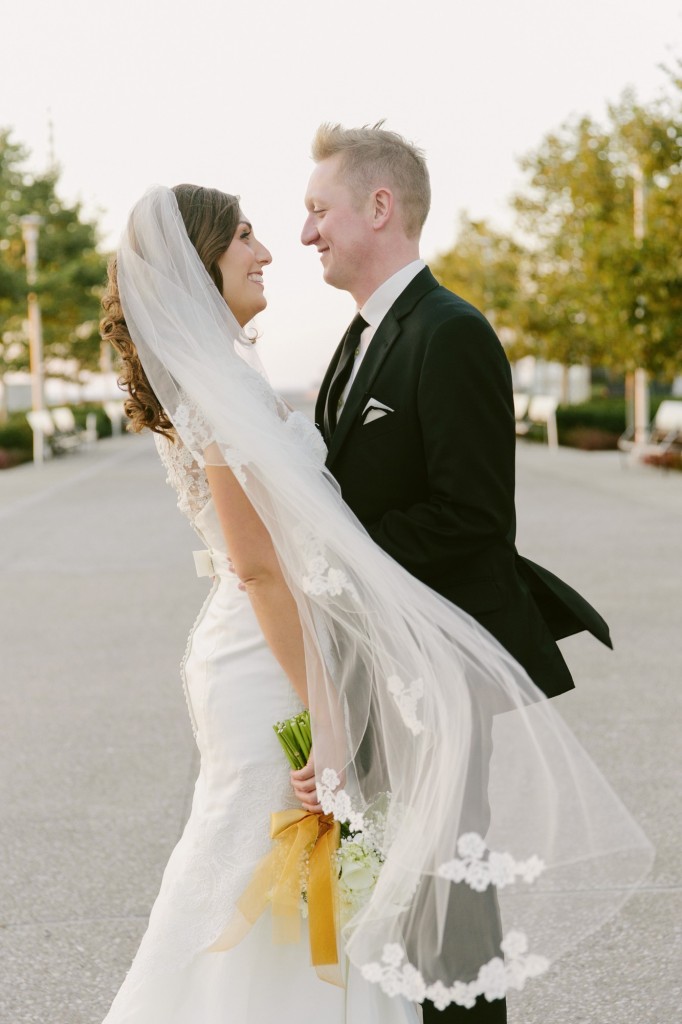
(663, 435)
(65, 422)
(52, 429)
(116, 413)
(537, 410)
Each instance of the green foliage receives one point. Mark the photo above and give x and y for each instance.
(71, 270)
(484, 268)
(595, 292)
(596, 424)
(606, 414)
(572, 283)
(16, 433)
(16, 436)
(80, 414)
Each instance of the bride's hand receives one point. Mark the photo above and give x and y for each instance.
(303, 782)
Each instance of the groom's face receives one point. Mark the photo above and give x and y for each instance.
(338, 225)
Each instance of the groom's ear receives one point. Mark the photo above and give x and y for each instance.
(383, 205)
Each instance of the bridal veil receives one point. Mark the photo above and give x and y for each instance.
(503, 844)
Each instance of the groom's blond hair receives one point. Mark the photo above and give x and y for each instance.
(372, 157)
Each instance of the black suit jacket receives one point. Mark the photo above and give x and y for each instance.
(433, 481)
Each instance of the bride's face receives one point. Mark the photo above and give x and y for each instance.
(242, 268)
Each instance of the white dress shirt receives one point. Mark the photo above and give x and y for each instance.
(374, 311)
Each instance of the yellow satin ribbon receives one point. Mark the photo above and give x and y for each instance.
(280, 875)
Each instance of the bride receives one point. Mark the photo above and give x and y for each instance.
(305, 610)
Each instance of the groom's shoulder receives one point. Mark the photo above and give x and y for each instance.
(445, 326)
(448, 300)
(439, 305)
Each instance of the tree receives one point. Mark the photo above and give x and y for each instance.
(71, 270)
(596, 292)
(12, 278)
(485, 267)
(581, 279)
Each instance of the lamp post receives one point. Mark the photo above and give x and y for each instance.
(641, 382)
(30, 229)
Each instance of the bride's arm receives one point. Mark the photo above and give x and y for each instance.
(255, 563)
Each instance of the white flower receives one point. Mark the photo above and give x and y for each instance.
(414, 987)
(514, 944)
(479, 871)
(326, 800)
(536, 965)
(394, 684)
(455, 870)
(532, 868)
(501, 869)
(393, 954)
(470, 844)
(406, 698)
(492, 979)
(330, 779)
(478, 876)
(356, 821)
(439, 995)
(417, 688)
(516, 974)
(495, 978)
(322, 579)
(314, 585)
(342, 806)
(391, 984)
(336, 581)
(413, 724)
(373, 972)
(463, 994)
(357, 876)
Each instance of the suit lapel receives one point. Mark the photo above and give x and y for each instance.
(381, 344)
(379, 347)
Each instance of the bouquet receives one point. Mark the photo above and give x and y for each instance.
(358, 855)
(296, 739)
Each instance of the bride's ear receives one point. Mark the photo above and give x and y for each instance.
(383, 205)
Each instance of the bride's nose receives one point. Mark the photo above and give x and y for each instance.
(264, 256)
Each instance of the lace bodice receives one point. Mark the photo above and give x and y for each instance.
(188, 478)
(184, 475)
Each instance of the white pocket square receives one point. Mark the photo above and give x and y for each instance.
(374, 410)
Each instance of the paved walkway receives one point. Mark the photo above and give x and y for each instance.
(96, 757)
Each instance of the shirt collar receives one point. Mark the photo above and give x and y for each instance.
(380, 301)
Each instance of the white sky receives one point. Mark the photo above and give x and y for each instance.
(229, 94)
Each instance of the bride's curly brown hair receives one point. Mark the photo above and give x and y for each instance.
(211, 219)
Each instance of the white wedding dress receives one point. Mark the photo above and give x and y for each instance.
(235, 691)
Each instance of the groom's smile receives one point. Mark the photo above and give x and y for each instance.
(337, 225)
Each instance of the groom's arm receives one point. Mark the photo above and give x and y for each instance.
(466, 416)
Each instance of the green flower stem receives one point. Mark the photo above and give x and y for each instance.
(295, 738)
(300, 741)
(289, 751)
(304, 722)
(291, 754)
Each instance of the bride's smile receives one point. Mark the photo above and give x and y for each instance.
(241, 266)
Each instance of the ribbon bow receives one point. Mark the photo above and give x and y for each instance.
(278, 880)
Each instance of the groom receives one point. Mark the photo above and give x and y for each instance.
(417, 412)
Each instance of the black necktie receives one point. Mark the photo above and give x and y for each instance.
(343, 372)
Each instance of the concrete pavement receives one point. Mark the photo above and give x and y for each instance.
(97, 764)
